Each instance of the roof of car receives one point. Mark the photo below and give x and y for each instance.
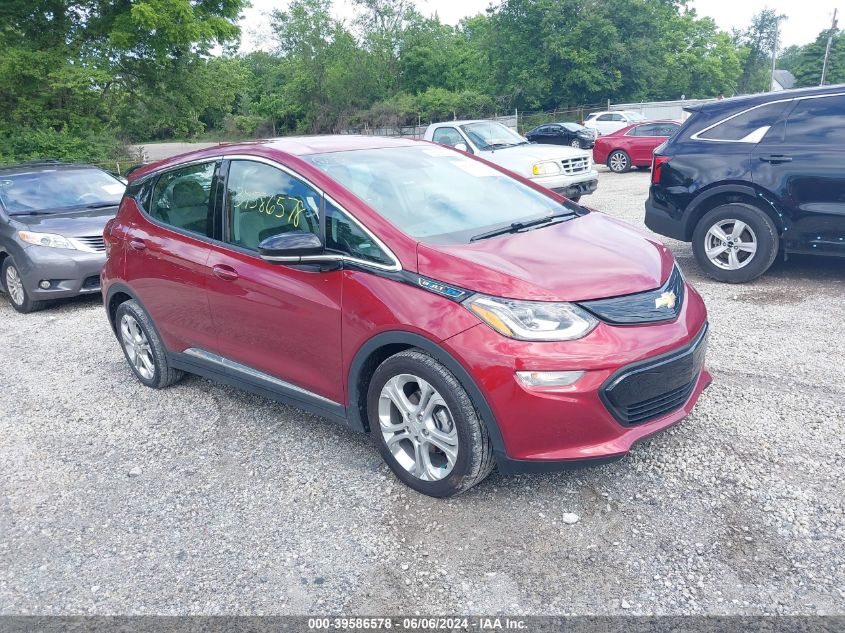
(466, 122)
(766, 97)
(291, 145)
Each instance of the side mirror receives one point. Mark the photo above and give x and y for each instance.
(462, 147)
(293, 247)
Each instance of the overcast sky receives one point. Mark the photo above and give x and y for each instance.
(806, 18)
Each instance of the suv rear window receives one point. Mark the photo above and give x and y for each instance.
(744, 125)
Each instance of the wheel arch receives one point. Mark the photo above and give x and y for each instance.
(734, 193)
(380, 347)
(117, 294)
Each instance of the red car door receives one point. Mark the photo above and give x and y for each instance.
(644, 139)
(167, 245)
(281, 321)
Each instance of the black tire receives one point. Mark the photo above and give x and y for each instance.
(575, 199)
(764, 231)
(163, 375)
(474, 459)
(27, 304)
(622, 162)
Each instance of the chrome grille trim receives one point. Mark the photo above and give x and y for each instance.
(572, 166)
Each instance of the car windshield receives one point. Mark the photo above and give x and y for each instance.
(437, 194)
(572, 127)
(492, 135)
(635, 116)
(54, 190)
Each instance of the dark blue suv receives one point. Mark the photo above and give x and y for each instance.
(747, 178)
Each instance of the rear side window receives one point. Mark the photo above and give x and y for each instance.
(817, 121)
(264, 201)
(749, 126)
(654, 129)
(182, 198)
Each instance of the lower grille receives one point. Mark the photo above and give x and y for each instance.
(573, 166)
(652, 388)
(91, 283)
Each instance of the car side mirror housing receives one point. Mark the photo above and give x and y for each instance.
(295, 247)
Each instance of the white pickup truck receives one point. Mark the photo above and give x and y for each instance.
(565, 170)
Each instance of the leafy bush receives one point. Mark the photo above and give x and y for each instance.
(48, 143)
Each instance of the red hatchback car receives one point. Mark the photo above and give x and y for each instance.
(632, 146)
(460, 314)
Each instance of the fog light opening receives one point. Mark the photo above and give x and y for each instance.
(548, 378)
(45, 284)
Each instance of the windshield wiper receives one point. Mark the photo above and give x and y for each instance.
(515, 227)
(101, 205)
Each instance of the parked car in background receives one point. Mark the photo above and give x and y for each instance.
(607, 122)
(564, 170)
(748, 178)
(633, 146)
(461, 315)
(52, 217)
(570, 134)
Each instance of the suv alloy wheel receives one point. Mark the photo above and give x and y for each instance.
(142, 346)
(735, 242)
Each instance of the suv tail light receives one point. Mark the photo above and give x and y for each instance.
(656, 167)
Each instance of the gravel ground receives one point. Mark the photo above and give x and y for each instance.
(199, 499)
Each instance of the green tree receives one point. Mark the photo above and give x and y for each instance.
(756, 45)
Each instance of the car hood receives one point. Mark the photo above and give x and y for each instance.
(590, 257)
(79, 223)
(521, 157)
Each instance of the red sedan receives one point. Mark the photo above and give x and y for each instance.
(462, 315)
(632, 146)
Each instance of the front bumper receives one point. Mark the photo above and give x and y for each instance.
(70, 273)
(549, 429)
(571, 186)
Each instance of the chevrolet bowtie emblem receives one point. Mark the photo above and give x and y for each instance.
(666, 300)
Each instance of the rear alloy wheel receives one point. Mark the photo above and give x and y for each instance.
(425, 426)
(576, 143)
(13, 284)
(142, 346)
(735, 243)
(619, 162)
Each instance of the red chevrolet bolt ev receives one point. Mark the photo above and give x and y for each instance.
(462, 316)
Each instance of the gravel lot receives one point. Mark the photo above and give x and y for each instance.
(199, 499)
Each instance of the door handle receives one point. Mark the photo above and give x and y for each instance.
(226, 273)
(776, 159)
(137, 245)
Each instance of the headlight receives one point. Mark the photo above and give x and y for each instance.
(547, 168)
(46, 239)
(532, 320)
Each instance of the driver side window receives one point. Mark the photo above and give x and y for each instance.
(448, 136)
(263, 201)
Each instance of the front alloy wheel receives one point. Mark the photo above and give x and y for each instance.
(418, 427)
(426, 426)
(18, 296)
(576, 143)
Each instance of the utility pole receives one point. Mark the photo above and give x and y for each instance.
(833, 26)
(775, 52)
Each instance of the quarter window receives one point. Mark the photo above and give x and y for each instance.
(264, 201)
(818, 121)
(344, 236)
(182, 198)
(751, 125)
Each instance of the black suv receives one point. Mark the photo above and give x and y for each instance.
(749, 177)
